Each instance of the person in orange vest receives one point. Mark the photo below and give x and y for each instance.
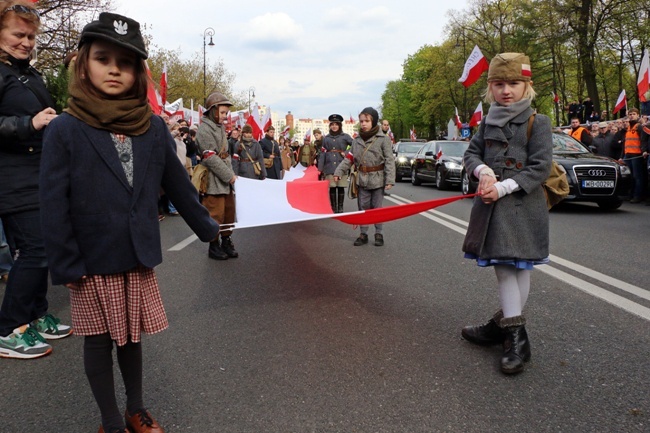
(580, 133)
(635, 152)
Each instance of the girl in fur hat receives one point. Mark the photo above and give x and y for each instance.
(511, 157)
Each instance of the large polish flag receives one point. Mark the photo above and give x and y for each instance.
(620, 103)
(300, 196)
(475, 65)
(255, 122)
(477, 116)
(643, 83)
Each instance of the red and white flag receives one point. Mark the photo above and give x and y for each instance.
(556, 98)
(475, 65)
(266, 120)
(201, 110)
(643, 83)
(457, 121)
(152, 94)
(308, 135)
(163, 85)
(414, 136)
(391, 135)
(477, 116)
(351, 119)
(621, 103)
(285, 131)
(439, 154)
(254, 121)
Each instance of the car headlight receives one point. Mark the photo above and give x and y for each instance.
(452, 165)
(402, 159)
(625, 170)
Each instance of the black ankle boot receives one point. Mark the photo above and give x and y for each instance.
(333, 199)
(340, 192)
(362, 239)
(228, 247)
(379, 240)
(488, 334)
(516, 347)
(215, 251)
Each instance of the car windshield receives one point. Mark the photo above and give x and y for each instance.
(454, 149)
(409, 147)
(564, 144)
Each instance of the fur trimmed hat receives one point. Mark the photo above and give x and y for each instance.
(510, 67)
(117, 29)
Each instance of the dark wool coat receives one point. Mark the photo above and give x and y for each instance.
(517, 225)
(94, 222)
(333, 152)
(242, 163)
(271, 147)
(20, 143)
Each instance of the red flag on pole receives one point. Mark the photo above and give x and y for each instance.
(620, 103)
(477, 116)
(459, 124)
(163, 85)
(152, 95)
(414, 136)
(643, 83)
(475, 65)
(556, 98)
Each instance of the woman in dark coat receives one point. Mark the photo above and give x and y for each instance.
(25, 110)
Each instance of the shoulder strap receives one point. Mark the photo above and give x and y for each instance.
(23, 79)
(529, 131)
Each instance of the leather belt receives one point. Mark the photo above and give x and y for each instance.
(245, 160)
(336, 151)
(370, 169)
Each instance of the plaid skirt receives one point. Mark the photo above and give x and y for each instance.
(121, 304)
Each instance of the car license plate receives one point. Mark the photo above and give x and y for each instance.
(598, 184)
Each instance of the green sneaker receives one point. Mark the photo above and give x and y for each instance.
(50, 327)
(24, 343)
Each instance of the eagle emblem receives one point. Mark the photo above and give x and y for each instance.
(120, 27)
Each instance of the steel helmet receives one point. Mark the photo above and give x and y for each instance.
(215, 99)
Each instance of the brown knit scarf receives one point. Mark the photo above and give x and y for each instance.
(368, 135)
(129, 116)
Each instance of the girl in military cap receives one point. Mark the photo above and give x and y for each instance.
(104, 162)
(508, 229)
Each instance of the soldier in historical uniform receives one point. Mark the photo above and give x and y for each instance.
(307, 153)
(335, 145)
(248, 157)
(219, 198)
(271, 150)
(372, 156)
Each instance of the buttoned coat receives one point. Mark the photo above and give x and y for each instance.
(211, 136)
(333, 152)
(517, 225)
(376, 151)
(248, 151)
(94, 222)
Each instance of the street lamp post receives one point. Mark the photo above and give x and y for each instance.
(251, 90)
(207, 32)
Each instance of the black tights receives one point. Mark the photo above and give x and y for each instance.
(98, 363)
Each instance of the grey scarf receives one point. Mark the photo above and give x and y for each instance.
(500, 115)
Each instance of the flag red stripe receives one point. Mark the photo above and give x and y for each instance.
(476, 72)
(385, 214)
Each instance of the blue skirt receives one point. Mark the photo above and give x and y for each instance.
(517, 263)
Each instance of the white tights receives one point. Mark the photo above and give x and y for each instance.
(514, 285)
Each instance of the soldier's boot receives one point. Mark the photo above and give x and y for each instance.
(228, 247)
(379, 240)
(340, 194)
(488, 334)
(516, 347)
(361, 240)
(215, 252)
(333, 199)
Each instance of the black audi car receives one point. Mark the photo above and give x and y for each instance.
(404, 152)
(439, 162)
(592, 178)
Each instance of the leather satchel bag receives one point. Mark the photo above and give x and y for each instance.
(268, 162)
(200, 178)
(353, 187)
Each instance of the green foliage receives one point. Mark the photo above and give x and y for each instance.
(57, 84)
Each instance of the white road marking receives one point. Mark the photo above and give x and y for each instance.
(182, 244)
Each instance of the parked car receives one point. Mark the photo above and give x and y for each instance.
(439, 162)
(592, 178)
(404, 153)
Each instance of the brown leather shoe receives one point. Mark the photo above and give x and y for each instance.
(142, 422)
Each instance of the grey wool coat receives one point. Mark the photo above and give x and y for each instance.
(378, 150)
(517, 225)
(211, 136)
(245, 151)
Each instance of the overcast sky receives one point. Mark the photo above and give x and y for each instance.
(310, 58)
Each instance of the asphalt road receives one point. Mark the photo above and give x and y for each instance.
(306, 333)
